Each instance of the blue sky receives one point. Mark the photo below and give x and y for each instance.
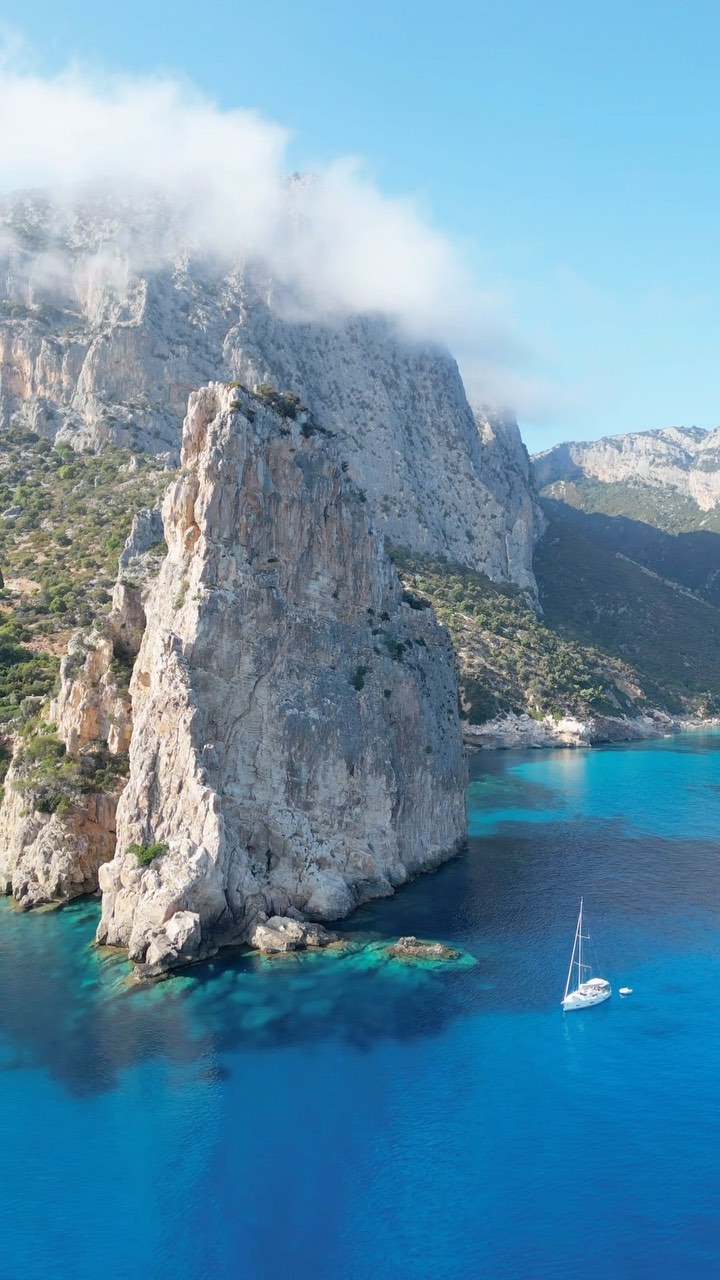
(570, 149)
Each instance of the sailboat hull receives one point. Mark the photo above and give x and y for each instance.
(591, 991)
(584, 999)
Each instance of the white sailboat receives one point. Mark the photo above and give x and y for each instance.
(588, 991)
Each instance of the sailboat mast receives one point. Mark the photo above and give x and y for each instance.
(580, 942)
(572, 957)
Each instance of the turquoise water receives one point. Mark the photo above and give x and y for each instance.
(343, 1116)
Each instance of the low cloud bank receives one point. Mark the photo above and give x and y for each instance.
(335, 242)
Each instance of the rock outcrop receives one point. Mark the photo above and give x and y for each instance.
(685, 460)
(92, 704)
(98, 345)
(57, 818)
(412, 948)
(52, 858)
(280, 934)
(145, 536)
(520, 732)
(296, 743)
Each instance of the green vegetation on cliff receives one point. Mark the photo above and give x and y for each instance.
(635, 568)
(147, 853)
(691, 559)
(671, 638)
(658, 505)
(509, 659)
(24, 672)
(54, 781)
(65, 519)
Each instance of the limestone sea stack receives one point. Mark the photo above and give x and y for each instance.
(296, 743)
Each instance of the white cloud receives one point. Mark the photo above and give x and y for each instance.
(337, 242)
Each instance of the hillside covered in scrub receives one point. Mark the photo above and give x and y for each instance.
(510, 659)
(585, 586)
(630, 558)
(669, 636)
(626, 621)
(65, 517)
(612, 639)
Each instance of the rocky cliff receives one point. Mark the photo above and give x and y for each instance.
(685, 460)
(107, 322)
(57, 818)
(296, 744)
(630, 560)
(521, 732)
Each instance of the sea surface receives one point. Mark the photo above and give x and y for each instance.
(346, 1117)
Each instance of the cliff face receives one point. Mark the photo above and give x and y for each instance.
(631, 559)
(685, 460)
(57, 818)
(98, 343)
(522, 732)
(47, 858)
(296, 743)
(441, 480)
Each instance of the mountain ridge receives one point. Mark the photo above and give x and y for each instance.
(684, 459)
(339, 505)
(102, 343)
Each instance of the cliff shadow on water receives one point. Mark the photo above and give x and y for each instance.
(90, 1022)
(623, 825)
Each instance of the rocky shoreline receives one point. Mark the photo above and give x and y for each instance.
(513, 732)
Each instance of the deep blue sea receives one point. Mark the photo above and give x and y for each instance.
(342, 1117)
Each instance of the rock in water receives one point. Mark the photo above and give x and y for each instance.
(296, 742)
(281, 934)
(412, 948)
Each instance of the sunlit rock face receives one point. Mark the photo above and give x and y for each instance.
(684, 460)
(107, 323)
(296, 743)
(48, 856)
(52, 857)
(45, 858)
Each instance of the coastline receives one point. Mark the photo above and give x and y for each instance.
(512, 732)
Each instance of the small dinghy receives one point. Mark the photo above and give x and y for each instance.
(625, 991)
